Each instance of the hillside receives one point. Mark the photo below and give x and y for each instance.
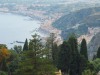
(78, 22)
(94, 45)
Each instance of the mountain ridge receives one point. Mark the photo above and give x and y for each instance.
(78, 22)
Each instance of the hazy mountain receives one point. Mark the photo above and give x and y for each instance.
(78, 21)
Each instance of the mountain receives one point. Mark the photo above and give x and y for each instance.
(85, 23)
(94, 45)
(78, 22)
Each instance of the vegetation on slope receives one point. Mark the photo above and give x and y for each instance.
(37, 58)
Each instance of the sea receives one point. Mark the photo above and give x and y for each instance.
(14, 29)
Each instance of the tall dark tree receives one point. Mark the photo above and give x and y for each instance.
(83, 49)
(82, 64)
(55, 52)
(98, 53)
(64, 58)
(74, 45)
(25, 47)
(74, 52)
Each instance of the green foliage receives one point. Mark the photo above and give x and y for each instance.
(96, 65)
(45, 67)
(55, 52)
(88, 72)
(3, 73)
(3, 65)
(18, 49)
(13, 61)
(74, 45)
(32, 65)
(82, 64)
(98, 53)
(35, 43)
(50, 46)
(64, 57)
(83, 49)
(43, 59)
(74, 52)
(25, 45)
(70, 61)
(34, 61)
(3, 46)
(30, 45)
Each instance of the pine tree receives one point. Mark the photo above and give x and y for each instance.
(36, 45)
(50, 45)
(98, 53)
(25, 48)
(64, 57)
(83, 49)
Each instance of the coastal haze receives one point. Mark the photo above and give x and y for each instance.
(46, 12)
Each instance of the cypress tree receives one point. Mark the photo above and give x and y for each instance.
(98, 53)
(83, 49)
(64, 57)
(74, 45)
(82, 64)
(74, 52)
(25, 47)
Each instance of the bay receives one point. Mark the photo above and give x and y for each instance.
(16, 28)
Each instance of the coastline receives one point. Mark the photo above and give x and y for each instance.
(45, 24)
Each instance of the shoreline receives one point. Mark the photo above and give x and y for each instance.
(45, 25)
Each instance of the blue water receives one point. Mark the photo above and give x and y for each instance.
(15, 28)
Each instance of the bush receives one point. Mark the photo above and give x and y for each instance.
(3, 73)
(88, 72)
